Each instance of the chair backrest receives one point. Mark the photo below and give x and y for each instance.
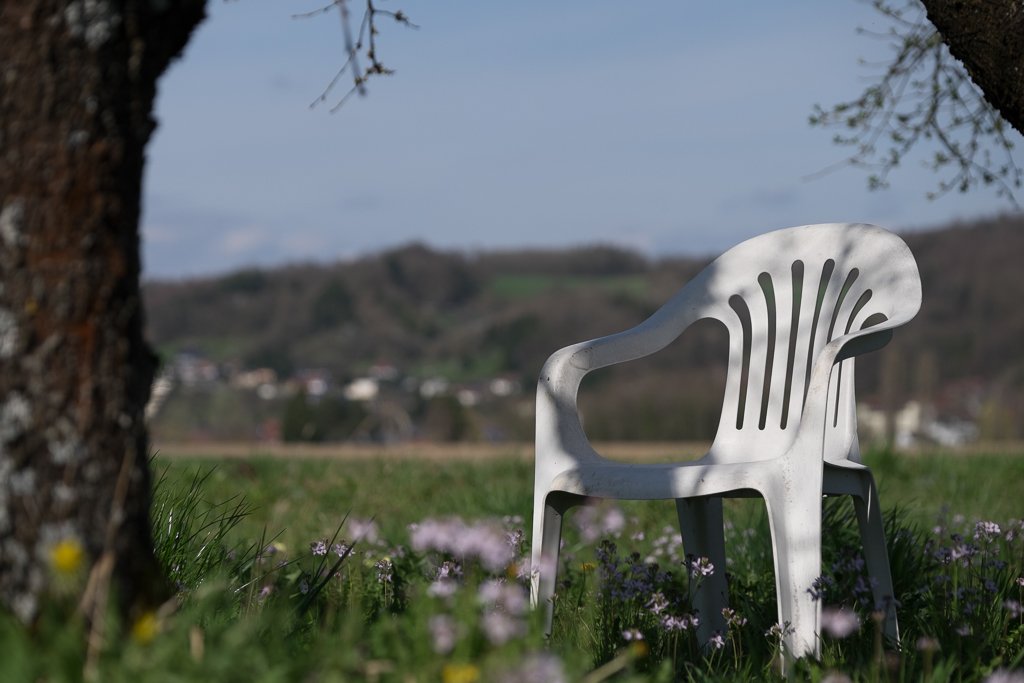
(783, 296)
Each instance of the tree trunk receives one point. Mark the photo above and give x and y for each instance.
(77, 84)
(988, 37)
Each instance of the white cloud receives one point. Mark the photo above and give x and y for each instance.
(243, 240)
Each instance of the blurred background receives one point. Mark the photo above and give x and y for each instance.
(533, 175)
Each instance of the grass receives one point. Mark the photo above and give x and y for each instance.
(306, 496)
(348, 591)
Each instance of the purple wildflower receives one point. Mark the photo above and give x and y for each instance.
(779, 631)
(701, 566)
(732, 618)
(501, 628)
(594, 521)
(318, 548)
(717, 641)
(631, 634)
(443, 633)
(541, 666)
(385, 570)
(986, 531)
(449, 569)
(671, 623)
(1005, 676)
(442, 588)
(839, 623)
(657, 604)
(963, 552)
(363, 530)
(836, 677)
(501, 595)
(483, 541)
(515, 538)
(819, 586)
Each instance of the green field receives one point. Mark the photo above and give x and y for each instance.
(306, 497)
(305, 565)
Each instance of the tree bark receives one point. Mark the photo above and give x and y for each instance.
(988, 37)
(77, 85)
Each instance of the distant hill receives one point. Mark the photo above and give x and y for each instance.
(471, 317)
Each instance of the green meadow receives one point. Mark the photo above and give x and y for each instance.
(400, 567)
(305, 497)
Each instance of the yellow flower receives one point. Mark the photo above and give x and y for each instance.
(460, 673)
(145, 628)
(67, 556)
(639, 649)
(587, 567)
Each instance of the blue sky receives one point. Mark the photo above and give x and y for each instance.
(671, 127)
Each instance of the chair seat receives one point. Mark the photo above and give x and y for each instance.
(626, 481)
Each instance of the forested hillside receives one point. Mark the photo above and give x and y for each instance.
(467, 319)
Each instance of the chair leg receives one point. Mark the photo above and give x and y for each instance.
(795, 520)
(547, 536)
(876, 556)
(701, 526)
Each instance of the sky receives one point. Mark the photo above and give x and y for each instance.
(671, 127)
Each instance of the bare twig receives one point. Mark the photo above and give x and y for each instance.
(364, 44)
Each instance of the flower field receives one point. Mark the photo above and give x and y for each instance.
(405, 570)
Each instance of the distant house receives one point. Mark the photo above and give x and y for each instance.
(433, 386)
(362, 389)
(914, 424)
(192, 369)
(254, 379)
(314, 382)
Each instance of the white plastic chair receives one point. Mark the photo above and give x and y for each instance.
(798, 304)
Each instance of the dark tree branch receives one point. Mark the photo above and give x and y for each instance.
(924, 97)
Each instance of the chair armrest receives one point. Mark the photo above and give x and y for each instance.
(558, 427)
(811, 433)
